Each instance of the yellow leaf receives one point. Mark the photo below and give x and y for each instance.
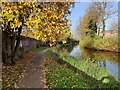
(19, 24)
(53, 22)
(15, 20)
(10, 11)
(63, 41)
(12, 25)
(50, 45)
(27, 23)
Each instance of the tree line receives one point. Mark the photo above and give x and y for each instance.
(95, 19)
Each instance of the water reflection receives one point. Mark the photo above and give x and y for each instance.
(108, 60)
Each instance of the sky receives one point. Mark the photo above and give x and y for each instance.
(79, 10)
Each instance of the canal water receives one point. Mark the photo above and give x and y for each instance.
(108, 60)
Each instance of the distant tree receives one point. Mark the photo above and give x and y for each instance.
(105, 10)
(88, 24)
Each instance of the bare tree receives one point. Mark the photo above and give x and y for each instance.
(106, 10)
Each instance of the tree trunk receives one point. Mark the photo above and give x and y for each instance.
(13, 38)
(6, 49)
(4, 52)
(103, 27)
(13, 58)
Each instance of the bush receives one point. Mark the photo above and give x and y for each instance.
(99, 43)
(86, 42)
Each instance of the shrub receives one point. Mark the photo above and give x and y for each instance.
(99, 43)
(86, 42)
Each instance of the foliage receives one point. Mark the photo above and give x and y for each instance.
(52, 23)
(86, 42)
(95, 17)
(48, 23)
(70, 43)
(14, 14)
(88, 24)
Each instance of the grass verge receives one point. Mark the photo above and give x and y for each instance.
(99, 43)
(63, 74)
(59, 77)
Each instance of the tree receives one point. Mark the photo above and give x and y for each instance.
(106, 10)
(54, 22)
(14, 16)
(88, 24)
(47, 22)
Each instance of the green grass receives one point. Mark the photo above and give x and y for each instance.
(60, 77)
(88, 67)
(81, 74)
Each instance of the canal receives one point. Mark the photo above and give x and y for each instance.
(108, 60)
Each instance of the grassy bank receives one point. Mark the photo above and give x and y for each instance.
(60, 77)
(77, 74)
(99, 43)
(11, 74)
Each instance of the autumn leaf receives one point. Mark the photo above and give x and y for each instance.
(12, 25)
(19, 24)
(63, 41)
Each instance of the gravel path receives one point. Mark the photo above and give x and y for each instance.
(34, 76)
